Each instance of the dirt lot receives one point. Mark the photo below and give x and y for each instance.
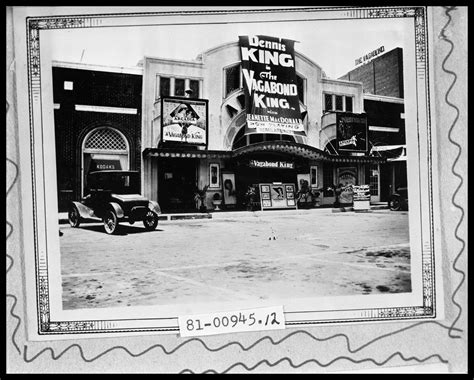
(246, 255)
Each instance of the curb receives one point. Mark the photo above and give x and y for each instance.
(226, 214)
(163, 217)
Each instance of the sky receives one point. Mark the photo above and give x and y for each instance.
(334, 45)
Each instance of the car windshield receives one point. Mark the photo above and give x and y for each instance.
(120, 183)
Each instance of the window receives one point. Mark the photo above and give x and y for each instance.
(194, 85)
(169, 86)
(256, 138)
(165, 88)
(179, 87)
(333, 102)
(300, 86)
(348, 104)
(242, 139)
(327, 102)
(374, 180)
(232, 79)
(68, 85)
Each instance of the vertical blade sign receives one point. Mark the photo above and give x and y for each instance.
(271, 92)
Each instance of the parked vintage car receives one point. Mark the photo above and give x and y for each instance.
(399, 199)
(114, 196)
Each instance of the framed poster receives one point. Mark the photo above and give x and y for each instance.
(277, 195)
(352, 132)
(184, 120)
(228, 183)
(214, 176)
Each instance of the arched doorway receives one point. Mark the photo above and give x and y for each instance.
(104, 148)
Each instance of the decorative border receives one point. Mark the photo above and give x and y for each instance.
(47, 327)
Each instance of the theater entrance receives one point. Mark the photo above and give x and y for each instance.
(252, 171)
(177, 179)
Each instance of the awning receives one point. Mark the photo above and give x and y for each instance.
(185, 153)
(286, 147)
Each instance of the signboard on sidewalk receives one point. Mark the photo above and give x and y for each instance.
(270, 87)
(361, 197)
(184, 120)
(277, 195)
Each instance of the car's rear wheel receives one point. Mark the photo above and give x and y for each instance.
(150, 220)
(111, 223)
(74, 217)
(395, 204)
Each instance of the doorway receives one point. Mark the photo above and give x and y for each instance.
(177, 179)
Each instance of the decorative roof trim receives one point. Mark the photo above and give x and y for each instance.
(288, 147)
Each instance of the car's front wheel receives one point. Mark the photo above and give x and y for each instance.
(150, 220)
(74, 217)
(111, 223)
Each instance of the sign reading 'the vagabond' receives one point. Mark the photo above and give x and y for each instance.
(271, 93)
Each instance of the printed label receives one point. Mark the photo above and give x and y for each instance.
(268, 318)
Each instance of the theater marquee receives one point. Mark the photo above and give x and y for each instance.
(271, 93)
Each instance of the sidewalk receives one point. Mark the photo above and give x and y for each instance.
(63, 219)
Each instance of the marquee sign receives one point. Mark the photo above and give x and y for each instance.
(184, 120)
(271, 164)
(271, 93)
(352, 132)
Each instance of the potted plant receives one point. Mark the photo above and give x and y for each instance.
(216, 201)
(250, 198)
(200, 197)
(317, 198)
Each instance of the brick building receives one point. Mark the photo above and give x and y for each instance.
(383, 92)
(381, 76)
(97, 113)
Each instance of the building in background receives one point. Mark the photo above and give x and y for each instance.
(97, 114)
(383, 93)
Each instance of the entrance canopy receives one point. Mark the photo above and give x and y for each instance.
(286, 147)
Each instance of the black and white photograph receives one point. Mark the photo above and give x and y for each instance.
(195, 162)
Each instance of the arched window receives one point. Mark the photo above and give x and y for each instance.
(241, 139)
(104, 148)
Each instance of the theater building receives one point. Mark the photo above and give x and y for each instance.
(97, 116)
(203, 128)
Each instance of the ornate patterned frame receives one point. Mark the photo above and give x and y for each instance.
(34, 25)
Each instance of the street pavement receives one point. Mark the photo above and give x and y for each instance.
(238, 255)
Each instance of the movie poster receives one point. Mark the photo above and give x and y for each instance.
(352, 132)
(184, 120)
(271, 92)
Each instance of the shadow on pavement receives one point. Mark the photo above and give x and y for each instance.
(122, 230)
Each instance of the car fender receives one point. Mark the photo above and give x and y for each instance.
(154, 206)
(117, 209)
(84, 211)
